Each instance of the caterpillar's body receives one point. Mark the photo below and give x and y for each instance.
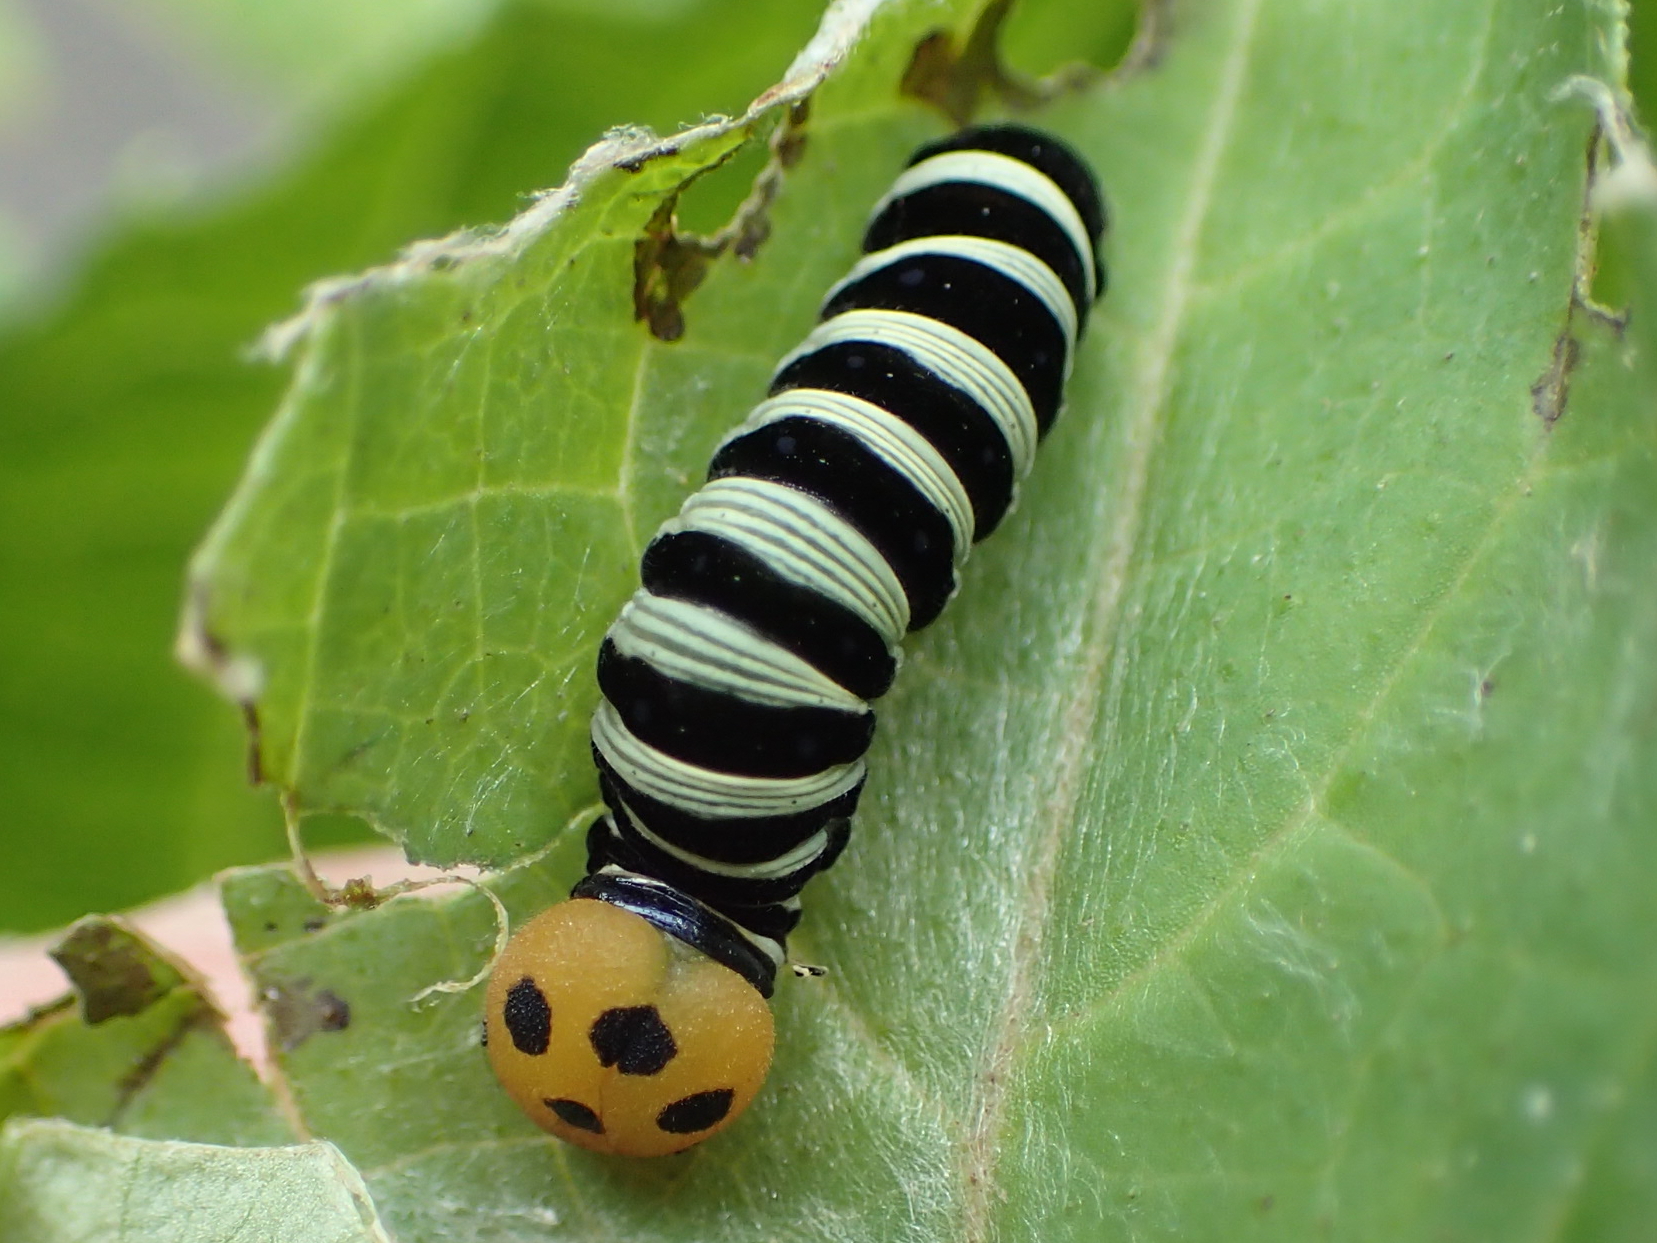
(737, 681)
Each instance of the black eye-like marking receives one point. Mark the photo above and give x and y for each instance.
(633, 1039)
(574, 1113)
(695, 1113)
(528, 1018)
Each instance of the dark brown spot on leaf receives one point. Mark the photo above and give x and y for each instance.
(297, 1012)
(255, 732)
(667, 268)
(954, 78)
(333, 1013)
(115, 971)
(1553, 387)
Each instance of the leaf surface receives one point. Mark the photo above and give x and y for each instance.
(129, 411)
(67, 1183)
(137, 1048)
(1259, 848)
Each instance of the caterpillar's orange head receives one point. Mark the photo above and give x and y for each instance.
(617, 1036)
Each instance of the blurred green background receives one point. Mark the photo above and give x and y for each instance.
(172, 174)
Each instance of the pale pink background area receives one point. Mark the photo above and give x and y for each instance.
(191, 925)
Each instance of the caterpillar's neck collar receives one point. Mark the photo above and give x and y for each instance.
(682, 916)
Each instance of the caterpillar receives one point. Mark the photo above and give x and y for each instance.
(736, 683)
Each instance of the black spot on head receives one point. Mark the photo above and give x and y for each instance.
(633, 1039)
(695, 1113)
(574, 1113)
(528, 1018)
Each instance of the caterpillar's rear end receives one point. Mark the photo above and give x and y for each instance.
(737, 682)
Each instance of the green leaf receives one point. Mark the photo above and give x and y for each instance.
(1260, 847)
(127, 415)
(60, 1182)
(139, 1049)
(449, 458)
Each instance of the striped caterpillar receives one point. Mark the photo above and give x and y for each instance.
(737, 681)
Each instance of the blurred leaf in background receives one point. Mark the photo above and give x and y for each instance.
(129, 410)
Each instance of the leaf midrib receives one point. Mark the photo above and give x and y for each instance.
(1145, 399)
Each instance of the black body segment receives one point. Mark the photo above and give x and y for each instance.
(1046, 154)
(723, 732)
(748, 840)
(982, 303)
(958, 427)
(886, 508)
(737, 682)
(979, 210)
(711, 570)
